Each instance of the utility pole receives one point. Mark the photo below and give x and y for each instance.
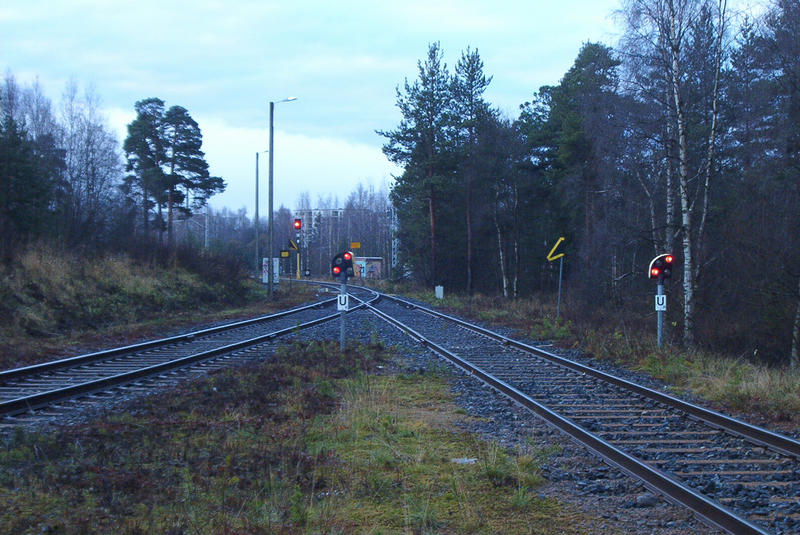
(269, 218)
(258, 257)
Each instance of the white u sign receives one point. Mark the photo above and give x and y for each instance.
(342, 302)
(661, 302)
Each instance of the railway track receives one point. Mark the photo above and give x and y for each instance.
(45, 388)
(734, 476)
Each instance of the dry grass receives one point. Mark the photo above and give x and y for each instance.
(51, 301)
(306, 443)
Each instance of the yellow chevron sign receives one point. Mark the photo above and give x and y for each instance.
(550, 256)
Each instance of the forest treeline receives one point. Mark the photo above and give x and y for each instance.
(685, 138)
(66, 179)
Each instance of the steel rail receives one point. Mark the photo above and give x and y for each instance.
(658, 481)
(42, 399)
(777, 442)
(143, 346)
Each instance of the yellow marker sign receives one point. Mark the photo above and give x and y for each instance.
(550, 256)
(293, 245)
(355, 245)
(284, 254)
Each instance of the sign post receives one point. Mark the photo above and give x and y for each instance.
(550, 257)
(661, 307)
(293, 245)
(342, 304)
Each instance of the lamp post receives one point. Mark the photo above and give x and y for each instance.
(258, 257)
(271, 152)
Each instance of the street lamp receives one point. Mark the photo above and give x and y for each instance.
(271, 152)
(258, 258)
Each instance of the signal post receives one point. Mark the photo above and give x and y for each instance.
(660, 269)
(342, 267)
(298, 224)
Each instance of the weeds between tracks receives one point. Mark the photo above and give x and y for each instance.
(309, 442)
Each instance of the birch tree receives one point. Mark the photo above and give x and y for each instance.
(93, 164)
(662, 30)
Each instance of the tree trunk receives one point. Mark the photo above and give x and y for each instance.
(160, 224)
(669, 226)
(145, 213)
(170, 237)
(469, 237)
(794, 359)
(432, 214)
(652, 207)
(683, 179)
(712, 135)
(515, 237)
(501, 251)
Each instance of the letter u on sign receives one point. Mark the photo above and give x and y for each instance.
(661, 302)
(342, 302)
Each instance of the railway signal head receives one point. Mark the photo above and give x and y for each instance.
(298, 224)
(661, 267)
(342, 265)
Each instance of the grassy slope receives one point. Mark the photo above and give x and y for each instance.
(52, 304)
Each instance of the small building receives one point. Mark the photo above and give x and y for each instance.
(368, 267)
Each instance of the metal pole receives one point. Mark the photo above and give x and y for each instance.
(271, 152)
(342, 291)
(560, 271)
(660, 291)
(258, 259)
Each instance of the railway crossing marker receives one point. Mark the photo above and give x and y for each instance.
(560, 257)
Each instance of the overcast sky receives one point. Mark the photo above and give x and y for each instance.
(225, 60)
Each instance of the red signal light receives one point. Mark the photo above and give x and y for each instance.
(298, 224)
(661, 267)
(337, 270)
(348, 255)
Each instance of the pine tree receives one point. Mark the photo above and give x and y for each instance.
(187, 166)
(422, 144)
(469, 108)
(166, 162)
